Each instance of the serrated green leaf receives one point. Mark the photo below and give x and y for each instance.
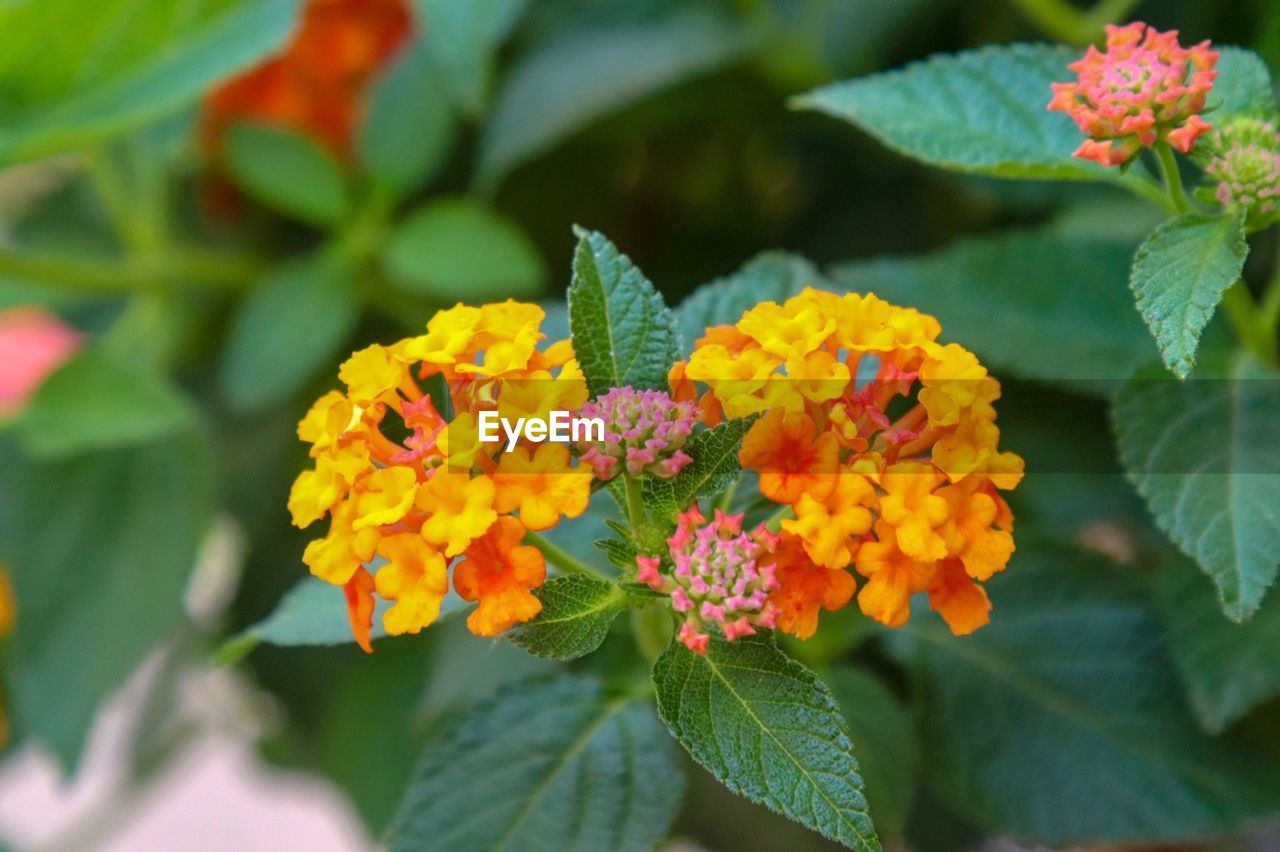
(406, 136)
(1061, 304)
(623, 332)
(585, 73)
(100, 548)
(96, 401)
(288, 172)
(1228, 668)
(1179, 275)
(621, 554)
(713, 469)
(769, 730)
(1243, 84)
(290, 326)
(1203, 455)
(462, 36)
(460, 249)
(771, 276)
(982, 111)
(577, 611)
(1071, 681)
(75, 72)
(552, 764)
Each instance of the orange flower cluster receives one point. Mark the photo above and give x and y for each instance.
(8, 614)
(317, 84)
(402, 510)
(882, 442)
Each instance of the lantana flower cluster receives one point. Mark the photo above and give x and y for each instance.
(413, 488)
(644, 433)
(883, 444)
(1142, 89)
(1245, 164)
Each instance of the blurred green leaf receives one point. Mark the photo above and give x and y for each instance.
(290, 326)
(458, 248)
(100, 548)
(982, 111)
(287, 171)
(1063, 722)
(579, 76)
(463, 36)
(1243, 84)
(75, 72)
(713, 469)
(96, 401)
(546, 764)
(1179, 275)
(1061, 305)
(577, 611)
(769, 730)
(1228, 668)
(770, 276)
(410, 126)
(623, 332)
(884, 741)
(1204, 455)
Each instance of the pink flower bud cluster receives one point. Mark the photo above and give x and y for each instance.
(1246, 165)
(722, 576)
(643, 431)
(1144, 88)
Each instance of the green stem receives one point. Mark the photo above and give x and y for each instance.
(1107, 12)
(1057, 19)
(559, 557)
(635, 501)
(1172, 177)
(1147, 189)
(1270, 316)
(774, 522)
(1248, 322)
(179, 266)
(651, 627)
(725, 503)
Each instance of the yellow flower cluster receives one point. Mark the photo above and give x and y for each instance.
(408, 489)
(883, 443)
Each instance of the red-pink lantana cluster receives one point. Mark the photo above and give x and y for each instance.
(721, 576)
(1143, 89)
(643, 433)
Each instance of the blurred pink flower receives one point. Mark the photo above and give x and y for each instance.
(33, 343)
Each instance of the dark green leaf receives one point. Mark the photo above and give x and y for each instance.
(1062, 722)
(74, 72)
(1179, 275)
(1228, 668)
(287, 171)
(410, 127)
(462, 36)
(1204, 455)
(292, 325)
(623, 332)
(100, 548)
(460, 249)
(622, 554)
(553, 764)
(584, 74)
(1243, 84)
(713, 469)
(981, 111)
(96, 401)
(769, 730)
(577, 611)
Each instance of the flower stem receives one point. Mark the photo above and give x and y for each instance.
(1248, 322)
(635, 501)
(651, 628)
(1172, 177)
(774, 521)
(566, 562)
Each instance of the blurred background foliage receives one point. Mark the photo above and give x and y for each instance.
(222, 265)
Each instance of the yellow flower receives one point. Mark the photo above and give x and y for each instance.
(371, 375)
(789, 331)
(331, 417)
(337, 556)
(951, 377)
(385, 497)
(449, 337)
(317, 491)
(892, 578)
(829, 527)
(416, 577)
(459, 509)
(913, 510)
(542, 485)
(979, 530)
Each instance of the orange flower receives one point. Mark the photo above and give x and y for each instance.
(829, 527)
(892, 578)
(962, 603)
(542, 485)
(805, 587)
(498, 572)
(781, 446)
(359, 591)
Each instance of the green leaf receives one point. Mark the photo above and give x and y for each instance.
(96, 401)
(1243, 84)
(577, 611)
(1179, 275)
(410, 127)
(1203, 454)
(770, 276)
(884, 740)
(292, 325)
(287, 171)
(623, 332)
(982, 111)
(621, 554)
(769, 730)
(462, 36)
(1228, 668)
(459, 248)
(75, 72)
(550, 764)
(583, 74)
(1060, 304)
(713, 469)
(1071, 681)
(100, 548)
